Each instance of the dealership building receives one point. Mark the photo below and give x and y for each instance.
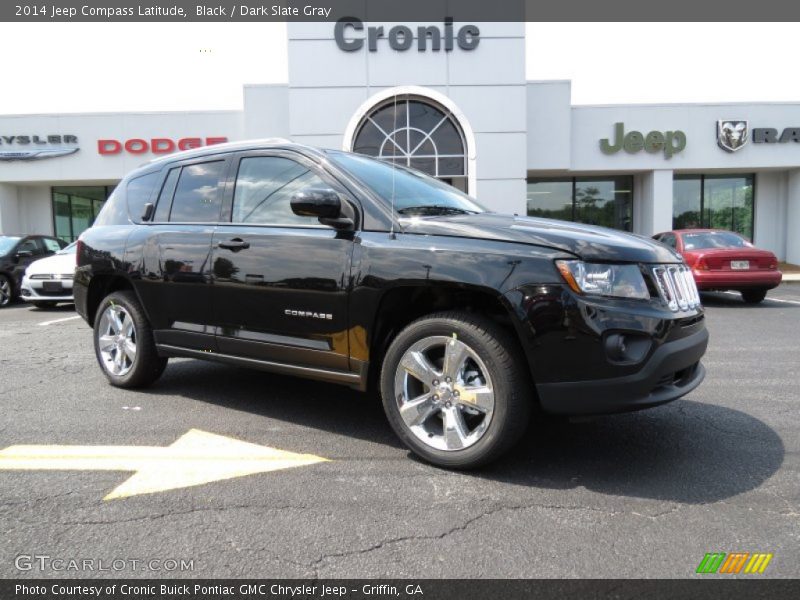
(450, 99)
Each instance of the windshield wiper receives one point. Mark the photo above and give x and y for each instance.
(435, 209)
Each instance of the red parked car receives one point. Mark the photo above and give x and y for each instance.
(724, 260)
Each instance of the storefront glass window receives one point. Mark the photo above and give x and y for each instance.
(604, 201)
(76, 207)
(687, 194)
(550, 198)
(714, 201)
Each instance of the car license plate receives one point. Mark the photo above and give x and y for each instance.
(740, 265)
(52, 286)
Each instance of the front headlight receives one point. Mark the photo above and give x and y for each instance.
(599, 279)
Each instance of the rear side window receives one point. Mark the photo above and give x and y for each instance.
(138, 193)
(115, 209)
(197, 195)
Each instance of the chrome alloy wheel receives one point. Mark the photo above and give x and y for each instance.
(117, 340)
(5, 291)
(444, 393)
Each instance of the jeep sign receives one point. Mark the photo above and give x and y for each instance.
(668, 142)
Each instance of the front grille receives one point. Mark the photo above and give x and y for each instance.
(52, 276)
(676, 287)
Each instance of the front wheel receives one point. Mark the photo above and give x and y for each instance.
(455, 389)
(123, 342)
(754, 296)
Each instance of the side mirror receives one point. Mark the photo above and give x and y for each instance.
(24, 254)
(322, 203)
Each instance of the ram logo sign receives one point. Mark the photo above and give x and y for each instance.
(734, 563)
(731, 134)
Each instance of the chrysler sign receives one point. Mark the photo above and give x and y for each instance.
(36, 147)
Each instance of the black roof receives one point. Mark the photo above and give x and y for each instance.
(234, 146)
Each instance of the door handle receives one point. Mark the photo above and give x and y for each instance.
(234, 244)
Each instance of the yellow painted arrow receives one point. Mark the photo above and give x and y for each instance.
(197, 457)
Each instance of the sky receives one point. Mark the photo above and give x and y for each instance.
(100, 67)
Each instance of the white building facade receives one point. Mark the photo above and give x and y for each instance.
(450, 99)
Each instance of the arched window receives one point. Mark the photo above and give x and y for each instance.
(417, 133)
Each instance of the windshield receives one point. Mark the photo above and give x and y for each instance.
(713, 239)
(69, 249)
(7, 243)
(414, 192)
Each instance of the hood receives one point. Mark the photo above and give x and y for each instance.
(58, 264)
(584, 241)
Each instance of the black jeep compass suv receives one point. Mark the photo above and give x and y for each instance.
(342, 268)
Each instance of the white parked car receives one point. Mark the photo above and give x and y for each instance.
(49, 280)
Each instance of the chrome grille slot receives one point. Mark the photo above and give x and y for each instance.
(52, 276)
(676, 287)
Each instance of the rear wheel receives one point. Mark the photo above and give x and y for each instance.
(754, 296)
(6, 291)
(455, 389)
(124, 344)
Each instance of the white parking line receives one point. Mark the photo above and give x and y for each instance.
(45, 323)
(767, 298)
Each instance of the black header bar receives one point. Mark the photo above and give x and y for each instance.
(406, 11)
(752, 588)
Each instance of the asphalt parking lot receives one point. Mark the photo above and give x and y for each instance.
(638, 495)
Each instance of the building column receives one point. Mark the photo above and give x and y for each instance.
(793, 218)
(9, 209)
(653, 202)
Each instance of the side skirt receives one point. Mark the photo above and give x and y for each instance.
(355, 380)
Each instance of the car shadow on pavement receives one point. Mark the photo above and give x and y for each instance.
(58, 308)
(22, 306)
(687, 452)
(323, 406)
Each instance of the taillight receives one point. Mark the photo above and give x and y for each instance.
(700, 264)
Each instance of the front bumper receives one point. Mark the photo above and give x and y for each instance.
(592, 356)
(673, 370)
(32, 290)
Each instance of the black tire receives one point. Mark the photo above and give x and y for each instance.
(754, 296)
(44, 304)
(503, 359)
(7, 293)
(147, 366)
